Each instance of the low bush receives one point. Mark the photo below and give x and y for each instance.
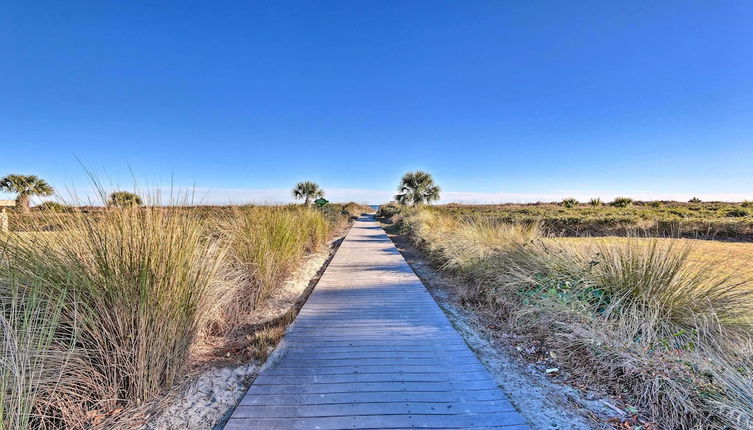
(388, 211)
(622, 202)
(737, 213)
(52, 206)
(569, 202)
(595, 202)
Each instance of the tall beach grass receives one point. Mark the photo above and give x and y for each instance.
(100, 314)
(638, 317)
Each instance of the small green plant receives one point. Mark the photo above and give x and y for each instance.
(124, 199)
(746, 204)
(595, 202)
(694, 200)
(622, 202)
(737, 213)
(569, 202)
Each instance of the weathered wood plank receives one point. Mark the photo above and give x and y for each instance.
(381, 421)
(363, 409)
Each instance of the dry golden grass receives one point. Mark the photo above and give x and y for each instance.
(663, 323)
(101, 314)
(733, 258)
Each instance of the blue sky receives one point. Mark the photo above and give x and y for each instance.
(500, 100)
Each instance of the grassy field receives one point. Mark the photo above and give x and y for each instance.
(100, 308)
(662, 324)
(732, 258)
(701, 220)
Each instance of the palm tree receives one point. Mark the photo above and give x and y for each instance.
(25, 187)
(417, 188)
(307, 190)
(123, 199)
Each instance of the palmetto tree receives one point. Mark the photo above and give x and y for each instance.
(417, 188)
(124, 199)
(25, 186)
(308, 191)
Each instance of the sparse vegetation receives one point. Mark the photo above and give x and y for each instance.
(417, 188)
(667, 219)
(694, 200)
(569, 202)
(595, 202)
(642, 318)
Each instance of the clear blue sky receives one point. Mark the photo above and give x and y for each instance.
(510, 100)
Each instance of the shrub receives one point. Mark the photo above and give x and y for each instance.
(747, 204)
(124, 199)
(622, 202)
(694, 200)
(654, 204)
(737, 213)
(354, 210)
(52, 206)
(569, 202)
(595, 202)
(388, 211)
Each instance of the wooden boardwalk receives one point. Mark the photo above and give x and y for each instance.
(371, 349)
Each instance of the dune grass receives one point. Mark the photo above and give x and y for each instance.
(99, 315)
(265, 244)
(135, 284)
(654, 321)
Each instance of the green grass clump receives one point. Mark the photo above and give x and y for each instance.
(569, 202)
(737, 213)
(622, 202)
(595, 202)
